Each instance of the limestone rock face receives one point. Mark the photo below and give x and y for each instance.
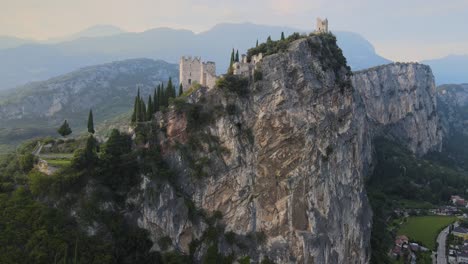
(288, 160)
(452, 105)
(295, 163)
(400, 101)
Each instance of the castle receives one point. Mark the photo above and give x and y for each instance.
(246, 68)
(322, 25)
(193, 70)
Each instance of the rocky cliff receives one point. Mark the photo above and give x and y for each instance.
(453, 108)
(400, 102)
(283, 164)
(273, 168)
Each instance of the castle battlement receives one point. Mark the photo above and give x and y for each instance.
(190, 59)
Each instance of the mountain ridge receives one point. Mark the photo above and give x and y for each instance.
(35, 62)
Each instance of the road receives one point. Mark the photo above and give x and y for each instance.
(441, 239)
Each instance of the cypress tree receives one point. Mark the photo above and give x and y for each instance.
(155, 101)
(162, 96)
(170, 89)
(231, 70)
(256, 45)
(135, 110)
(282, 35)
(237, 56)
(142, 116)
(90, 122)
(138, 109)
(269, 39)
(150, 110)
(181, 90)
(64, 130)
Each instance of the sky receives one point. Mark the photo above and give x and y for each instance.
(401, 30)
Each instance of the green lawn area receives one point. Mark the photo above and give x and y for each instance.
(58, 162)
(425, 228)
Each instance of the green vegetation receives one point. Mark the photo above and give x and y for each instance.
(91, 122)
(233, 83)
(272, 47)
(64, 130)
(258, 75)
(161, 99)
(36, 232)
(402, 180)
(58, 162)
(425, 228)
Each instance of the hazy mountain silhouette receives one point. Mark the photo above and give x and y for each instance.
(450, 70)
(34, 62)
(8, 42)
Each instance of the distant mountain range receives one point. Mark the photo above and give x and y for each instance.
(36, 109)
(7, 42)
(102, 44)
(91, 32)
(452, 69)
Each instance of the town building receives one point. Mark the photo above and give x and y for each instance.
(462, 257)
(461, 232)
(457, 200)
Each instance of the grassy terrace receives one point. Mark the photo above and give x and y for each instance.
(425, 228)
(57, 160)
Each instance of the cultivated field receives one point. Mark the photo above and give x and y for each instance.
(425, 228)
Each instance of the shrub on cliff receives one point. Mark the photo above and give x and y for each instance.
(233, 83)
(272, 47)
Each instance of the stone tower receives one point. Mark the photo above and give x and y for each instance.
(322, 25)
(189, 71)
(193, 70)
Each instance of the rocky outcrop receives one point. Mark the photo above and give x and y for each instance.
(293, 165)
(400, 102)
(285, 160)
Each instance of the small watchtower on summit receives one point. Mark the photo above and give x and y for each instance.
(322, 25)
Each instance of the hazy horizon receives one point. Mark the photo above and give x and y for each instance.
(399, 30)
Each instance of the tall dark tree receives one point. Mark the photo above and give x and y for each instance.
(135, 110)
(231, 70)
(256, 45)
(282, 35)
(142, 113)
(181, 89)
(161, 96)
(269, 39)
(237, 56)
(90, 154)
(150, 110)
(170, 89)
(90, 122)
(155, 101)
(64, 130)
